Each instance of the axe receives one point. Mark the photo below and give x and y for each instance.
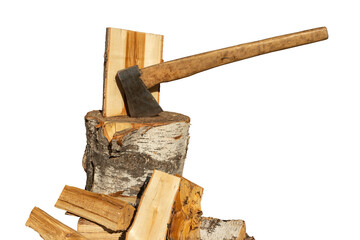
(135, 82)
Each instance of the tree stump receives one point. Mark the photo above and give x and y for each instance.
(122, 152)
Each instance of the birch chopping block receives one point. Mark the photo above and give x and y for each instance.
(122, 152)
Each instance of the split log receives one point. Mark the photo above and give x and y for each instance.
(185, 219)
(93, 231)
(110, 212)
(122, 152)
(124, 49)
(169, 203)
(215, 229)
(154, 211)
(49, 228)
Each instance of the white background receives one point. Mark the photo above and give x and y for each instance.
(275, 139)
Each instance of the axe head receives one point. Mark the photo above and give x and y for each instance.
(140, 102)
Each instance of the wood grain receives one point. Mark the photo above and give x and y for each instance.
(49, 228)
(171, 205)
(125, 48)
(185, 220)
(93, 231)
(154, 211)
(184, 67)
(110, 212)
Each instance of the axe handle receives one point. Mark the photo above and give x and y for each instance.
(184, 67)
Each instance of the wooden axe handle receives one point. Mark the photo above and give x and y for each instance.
(184, 67)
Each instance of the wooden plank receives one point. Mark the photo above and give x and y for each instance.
(154, 211)
(125, 48)
(49, 228)
(110, 212)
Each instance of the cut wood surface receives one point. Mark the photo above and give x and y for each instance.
(215, 229)
(155, 208)
(171, 205)
(185, 219)
(113, 213)
(49, 228)
(93, 231)
(124, 49)
(122, 152)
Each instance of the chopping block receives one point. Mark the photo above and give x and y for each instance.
(121, 151)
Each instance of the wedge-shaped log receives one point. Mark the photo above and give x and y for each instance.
(49, 228)
(110, 212)
(159, 212)
(185, 219)
(155, 208)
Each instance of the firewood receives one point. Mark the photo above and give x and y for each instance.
(49, 228)
(215, 229)
(211, 229)
(93, 231)
(160, 208)
(155, 208)
(124, 49)
(113, 213)
(185, 219)
(122, 152)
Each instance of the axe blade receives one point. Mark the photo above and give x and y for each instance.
(140, 102)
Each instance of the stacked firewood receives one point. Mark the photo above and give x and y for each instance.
(169, 208)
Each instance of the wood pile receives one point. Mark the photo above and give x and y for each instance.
(169, 208)
(134, 188)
